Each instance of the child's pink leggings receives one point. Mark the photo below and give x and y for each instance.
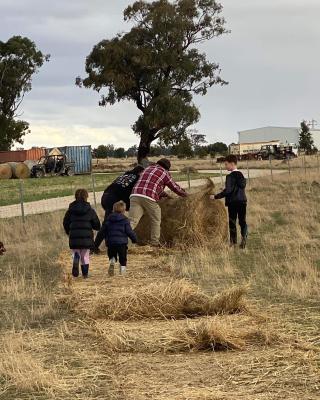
(84, 255)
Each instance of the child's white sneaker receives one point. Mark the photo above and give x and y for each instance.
(111, 267)
(123, 270)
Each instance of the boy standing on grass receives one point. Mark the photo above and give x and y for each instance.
(236, 200)
(79, 222)
(117, 230)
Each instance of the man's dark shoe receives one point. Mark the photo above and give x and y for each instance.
(75, 266)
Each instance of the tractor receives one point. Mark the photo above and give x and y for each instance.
(53, 165)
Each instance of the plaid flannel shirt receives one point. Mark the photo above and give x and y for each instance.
(152, 183)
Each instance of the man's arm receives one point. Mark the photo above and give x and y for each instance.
(172, 185)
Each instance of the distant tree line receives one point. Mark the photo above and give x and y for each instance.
(185, 149)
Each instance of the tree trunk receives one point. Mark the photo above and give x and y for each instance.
(144, 149)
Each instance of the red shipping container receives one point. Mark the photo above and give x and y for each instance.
(21, 155)
(35, 154)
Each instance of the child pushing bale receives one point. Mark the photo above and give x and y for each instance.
(190, 220)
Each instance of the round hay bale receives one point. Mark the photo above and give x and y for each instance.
(193, 220)
(30, 163)
(189, 170)
(19, 170)
(5, 171)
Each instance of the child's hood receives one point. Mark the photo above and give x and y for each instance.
(79, 207)
(117, 217)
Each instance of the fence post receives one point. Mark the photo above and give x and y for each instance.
(21, 192)
(221, 177)
(271, 170)
(318, 165)
(94, 190)
(189, 179)
(289, 166)
(248, 171)
(305, 164)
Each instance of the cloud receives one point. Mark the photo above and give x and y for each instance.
(48, 136)
(269, 59)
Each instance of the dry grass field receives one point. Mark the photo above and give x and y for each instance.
(208, 323)
(116, 164)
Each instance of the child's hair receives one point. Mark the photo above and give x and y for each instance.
(82, 194)
(119, 207)
(231, 158)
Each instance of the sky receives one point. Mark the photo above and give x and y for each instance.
(269, 59)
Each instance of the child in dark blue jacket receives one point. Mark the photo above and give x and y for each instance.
(117, 230)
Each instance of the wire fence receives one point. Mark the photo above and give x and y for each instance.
(20, 198)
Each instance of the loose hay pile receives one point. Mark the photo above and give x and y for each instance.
(176, 299)
(170, 336)
(192, 220)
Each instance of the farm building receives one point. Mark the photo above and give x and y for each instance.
(284, 135)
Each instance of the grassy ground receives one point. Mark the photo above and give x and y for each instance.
(62, 339)
(114, 164)
(47, 188)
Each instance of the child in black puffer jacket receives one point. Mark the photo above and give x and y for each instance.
(79, 222)
(236, 201)
(117, 230)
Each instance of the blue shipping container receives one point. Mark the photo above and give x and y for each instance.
(81, 155)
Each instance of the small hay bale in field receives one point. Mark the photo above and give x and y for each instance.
(189, 170)
(19, 170)
(190, 220)
(5, 171)
(176, 299)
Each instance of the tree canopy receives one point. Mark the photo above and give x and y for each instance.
(158, 66)
(19, 61)
(306, 142)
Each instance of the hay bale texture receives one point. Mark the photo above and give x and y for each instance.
(19, 170)
(190, 220)
(5, 171)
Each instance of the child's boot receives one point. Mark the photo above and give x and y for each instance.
(111, 267)
(243, 243)
(85, 270)
(123, 270)
(75, 266)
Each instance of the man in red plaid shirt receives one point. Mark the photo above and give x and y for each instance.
(148, 191)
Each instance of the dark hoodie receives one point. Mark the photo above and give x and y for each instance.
(120, 189)
(117, 229)
(235, 189)
(79, 222)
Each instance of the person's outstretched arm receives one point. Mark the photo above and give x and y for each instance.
(130, 233)
(172, 185)
(66, 222)
(230, 183)
(95, 222)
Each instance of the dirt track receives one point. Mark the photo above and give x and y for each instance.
(61, 203)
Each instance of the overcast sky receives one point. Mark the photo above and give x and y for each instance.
(270, 59)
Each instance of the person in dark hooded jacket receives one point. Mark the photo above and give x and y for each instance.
(119, 189)
(117, 230)
(79, 222)
(236, 200)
